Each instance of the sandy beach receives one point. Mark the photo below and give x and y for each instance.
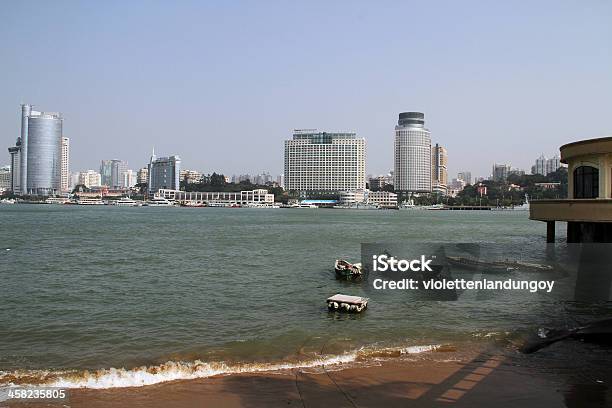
(481, 382)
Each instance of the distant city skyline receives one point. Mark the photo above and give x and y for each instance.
(224, 98)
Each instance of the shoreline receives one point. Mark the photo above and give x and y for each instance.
(484, 380)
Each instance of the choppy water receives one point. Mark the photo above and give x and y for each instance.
(195, 292)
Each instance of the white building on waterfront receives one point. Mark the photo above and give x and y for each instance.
(252, 197)
(353, 197)
(383, 199)
(412, 154)
(324, 162)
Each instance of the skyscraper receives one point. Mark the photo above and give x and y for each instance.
(38, 152)
(412, 154)
(112, 171)
(465, 176)
(439, 172)
(324, 162)
(553, 164)
(65, 173)
(164, 172)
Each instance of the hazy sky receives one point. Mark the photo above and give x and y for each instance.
(222, 84)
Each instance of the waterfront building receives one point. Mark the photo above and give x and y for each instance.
(465, 176)
(5, 178)
(90, 178)
(142, 176)
(439, 172)
(353, 197)
(324, 162)
(384, 199)
(164, 173)
(15, 153)
(65, 171)
(38, 153)
(412, 154)
(588, 208)
(247, 197)
(379, 182)
(500, 172)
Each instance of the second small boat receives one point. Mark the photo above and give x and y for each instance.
(347, 270)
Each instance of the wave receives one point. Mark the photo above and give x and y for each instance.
(189, 370)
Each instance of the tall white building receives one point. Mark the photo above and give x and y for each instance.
(412, 154)
(324, 162)
(553, 164)
(65, 172)
(128, 178)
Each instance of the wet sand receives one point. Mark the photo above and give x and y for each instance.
(481, 382)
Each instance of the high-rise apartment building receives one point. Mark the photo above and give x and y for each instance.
(553, 164)
(546, 166)
(466, 176)
(128, 179)
(439, 172)
(412, 154)
(142, 176)
(500, 172)
(90, 178)
(65, 173)
(164, 173)
(38, 153)
(324, 162)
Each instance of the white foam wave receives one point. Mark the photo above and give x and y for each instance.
(180, 370)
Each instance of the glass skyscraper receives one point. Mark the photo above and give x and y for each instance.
(38, 153)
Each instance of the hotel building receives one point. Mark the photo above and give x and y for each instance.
(412, 154)
(90, 178)
(324, 162)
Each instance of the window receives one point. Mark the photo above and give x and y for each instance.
(586, 182)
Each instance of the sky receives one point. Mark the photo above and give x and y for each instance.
(223, 84)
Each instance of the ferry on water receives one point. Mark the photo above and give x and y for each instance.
(126, 202)
(89, 201)
(159, 202)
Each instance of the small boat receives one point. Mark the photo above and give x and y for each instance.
(346, 303)
(347, 270)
